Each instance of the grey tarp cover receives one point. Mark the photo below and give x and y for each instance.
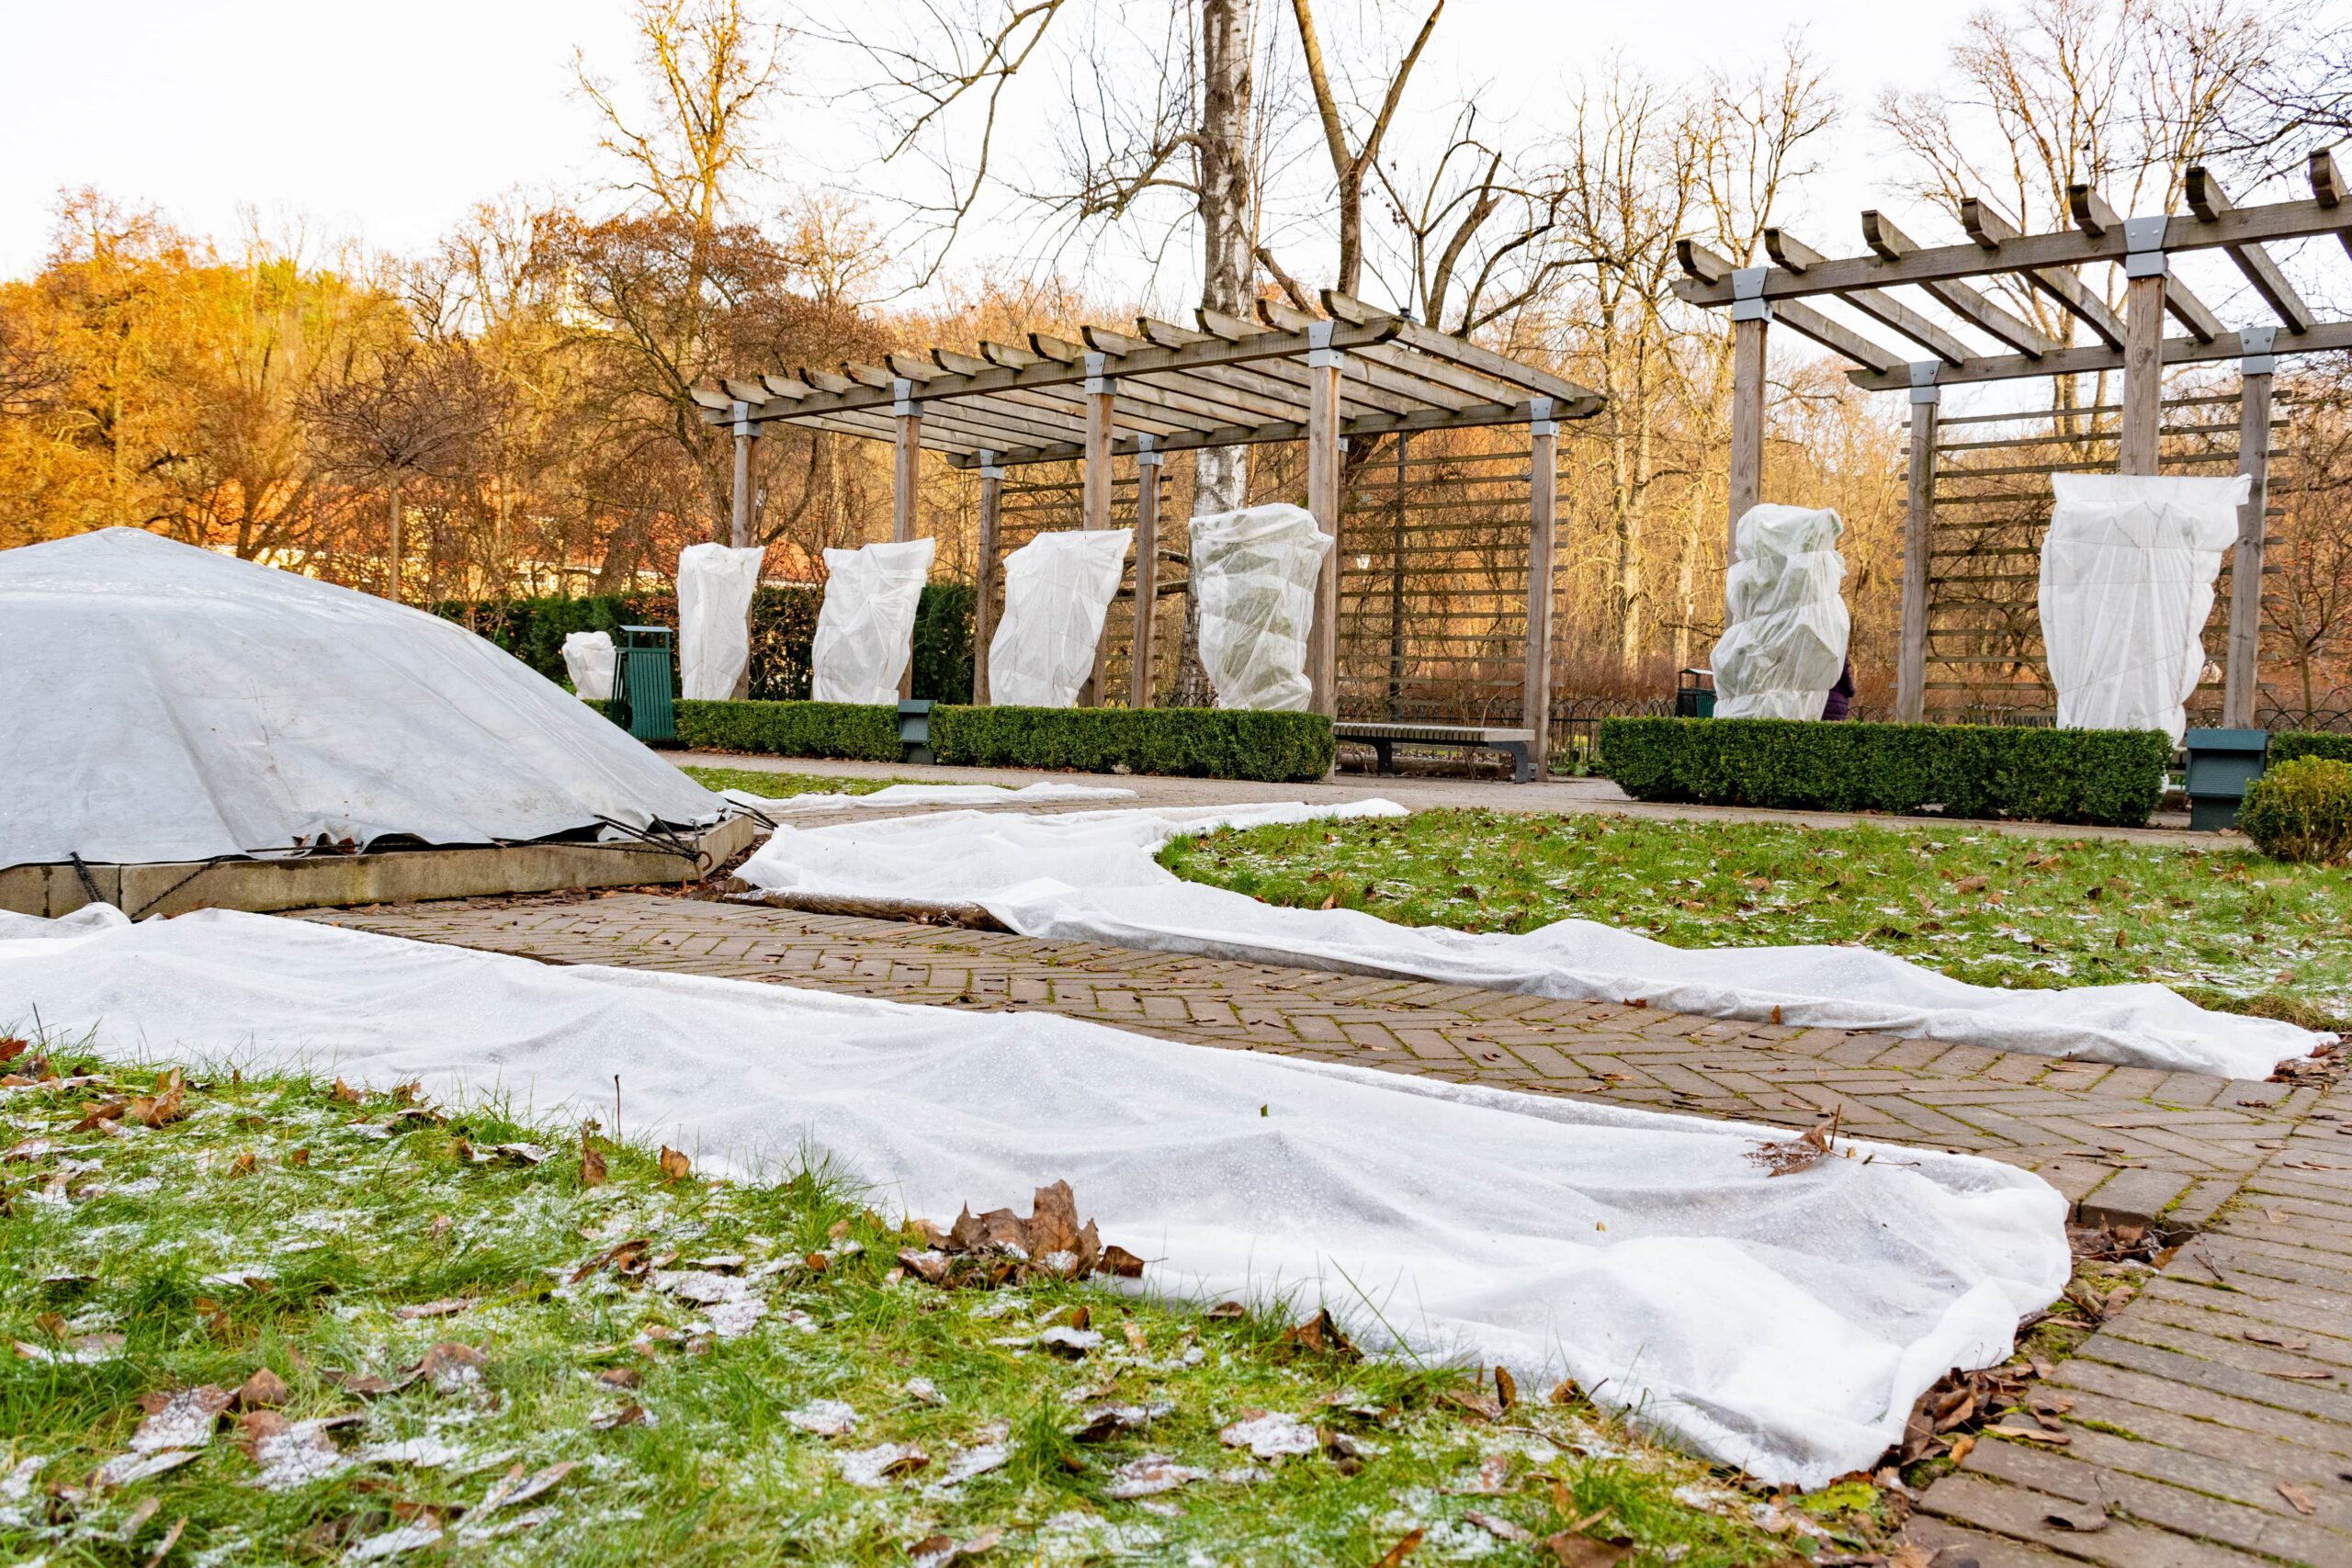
(170, 704)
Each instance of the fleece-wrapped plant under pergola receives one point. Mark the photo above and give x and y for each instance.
(1138, 395)
(2134, 343)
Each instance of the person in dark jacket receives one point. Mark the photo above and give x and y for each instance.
(1840, 701)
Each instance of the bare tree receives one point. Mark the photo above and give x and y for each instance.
(1351, 166)
(414, 414)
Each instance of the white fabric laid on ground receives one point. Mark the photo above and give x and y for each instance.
(1784, 640)
(2127, 583)
(1785, 1324)
(1091, 876)
(715, 586)
(178, 704)
(588, 658)
(866, 627)
(900, 795)
(1057, 590)
(1255, 572)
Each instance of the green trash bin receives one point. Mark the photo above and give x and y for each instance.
(641, 685)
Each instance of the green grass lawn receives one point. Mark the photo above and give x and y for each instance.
(2228, 928)
(776, 787)
(571, 1401)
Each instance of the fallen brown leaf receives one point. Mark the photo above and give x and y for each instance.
(1405, 1547)
(1501, 1528)
(345, 1093)
(1505, 1388)
(2297, 1497)
(263, 1391)
(171, 1539)
(1798, 1154)
(675, 1166)
(592, 1165)
(1320, 1336)
(1572, 1551)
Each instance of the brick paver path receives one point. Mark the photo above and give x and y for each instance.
(2188, 1407)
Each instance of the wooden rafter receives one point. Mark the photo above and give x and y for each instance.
(1222, 383)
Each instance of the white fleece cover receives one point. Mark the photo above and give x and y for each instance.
(1784, 1324)
(2127, 583)
(715, 586)
(1058, 591)
(1784, 638)
(866, 627)
(901, 796)
(173, 704)
(1255, 571)
(588, 658)
(1091, 876)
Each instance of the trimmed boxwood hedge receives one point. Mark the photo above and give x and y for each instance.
(2294, 743)
(1280, 748)
(862, 730)
(1273, 747)
(2113, 777)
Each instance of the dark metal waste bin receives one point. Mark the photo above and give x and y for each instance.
(2221, 762)
(642, 677)
(914, 728)
(1695, 696)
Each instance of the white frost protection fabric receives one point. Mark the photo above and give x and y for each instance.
(866, 627)
(1091, 876)
(178, 704)
(2127, 583)
(1058, 589)
(588, 658)
(900, 796)
(715, 586)
(1784, 1324)
(1255, 572)
(1784, 640)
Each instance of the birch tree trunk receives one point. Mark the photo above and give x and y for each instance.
(1228, 188)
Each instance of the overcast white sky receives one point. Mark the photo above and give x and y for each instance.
(384, 123)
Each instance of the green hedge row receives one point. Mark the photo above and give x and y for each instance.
(2294, 743)
(2107, 776)
(1201, 743)
(862, 730)
(1281, 747)
(784, 625)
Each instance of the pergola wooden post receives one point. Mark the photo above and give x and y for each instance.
(1542, 499)
(739, 533)
(1102, 393)
(2145, 271)
(906, 476)
(1147, 573)
(984, 588)
(1323, 364)
(1751, 316)
(1918, 513)
(2242, 663)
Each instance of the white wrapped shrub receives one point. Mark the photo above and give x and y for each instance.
(866, 627)
(1785, 636)
(1255, 571)
(1057, 590)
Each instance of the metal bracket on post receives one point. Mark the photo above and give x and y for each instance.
(1923, 381)
(2254, 343)
(743, 426)
(1539, 417)
(1097, 383)
(1748, 301)
(903, 401)
(2143, 246)
(1320, 354)
(989, 469)
(1145, 457)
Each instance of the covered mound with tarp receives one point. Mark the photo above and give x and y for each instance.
(174, 704)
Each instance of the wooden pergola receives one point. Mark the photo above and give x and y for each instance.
(2134, 343)
(1140, 394)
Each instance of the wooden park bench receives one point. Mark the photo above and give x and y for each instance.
(1384, 737)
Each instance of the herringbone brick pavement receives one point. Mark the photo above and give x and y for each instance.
(2122, 1142)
